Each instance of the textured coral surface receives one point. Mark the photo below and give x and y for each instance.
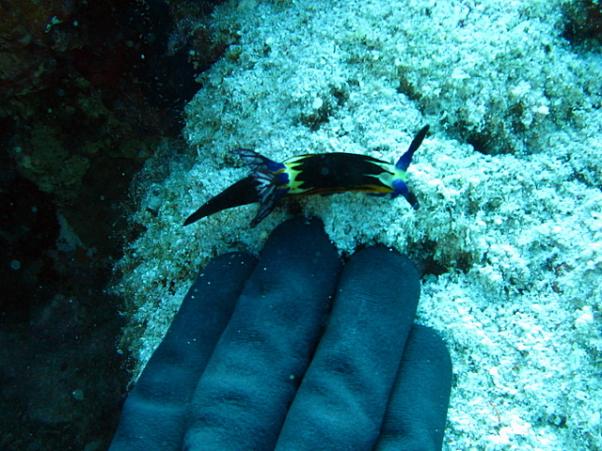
(509, 232)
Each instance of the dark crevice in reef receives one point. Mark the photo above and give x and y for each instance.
(330, 102)
(583, 24)
(423, 255)
(88, 89)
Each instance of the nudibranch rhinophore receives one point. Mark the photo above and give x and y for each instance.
(302, 175)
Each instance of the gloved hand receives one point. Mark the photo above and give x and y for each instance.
(259, 357)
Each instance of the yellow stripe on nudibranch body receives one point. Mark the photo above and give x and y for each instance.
(293, 167)
(309, 174)
(390, 175)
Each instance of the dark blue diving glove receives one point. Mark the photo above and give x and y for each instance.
(259, 357)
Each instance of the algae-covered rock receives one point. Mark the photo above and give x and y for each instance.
(50, 165)
(508, 181)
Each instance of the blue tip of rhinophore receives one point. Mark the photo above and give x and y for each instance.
(406, 158)
(399, 187)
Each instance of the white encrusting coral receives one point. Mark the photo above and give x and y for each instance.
(515, 226)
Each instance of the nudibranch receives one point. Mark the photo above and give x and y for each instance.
(302, 175)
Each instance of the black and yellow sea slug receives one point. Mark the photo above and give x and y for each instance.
(302, 175)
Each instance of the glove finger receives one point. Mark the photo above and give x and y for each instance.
(152, 417)
(343, 396)
(416, 414)
(251, 379)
